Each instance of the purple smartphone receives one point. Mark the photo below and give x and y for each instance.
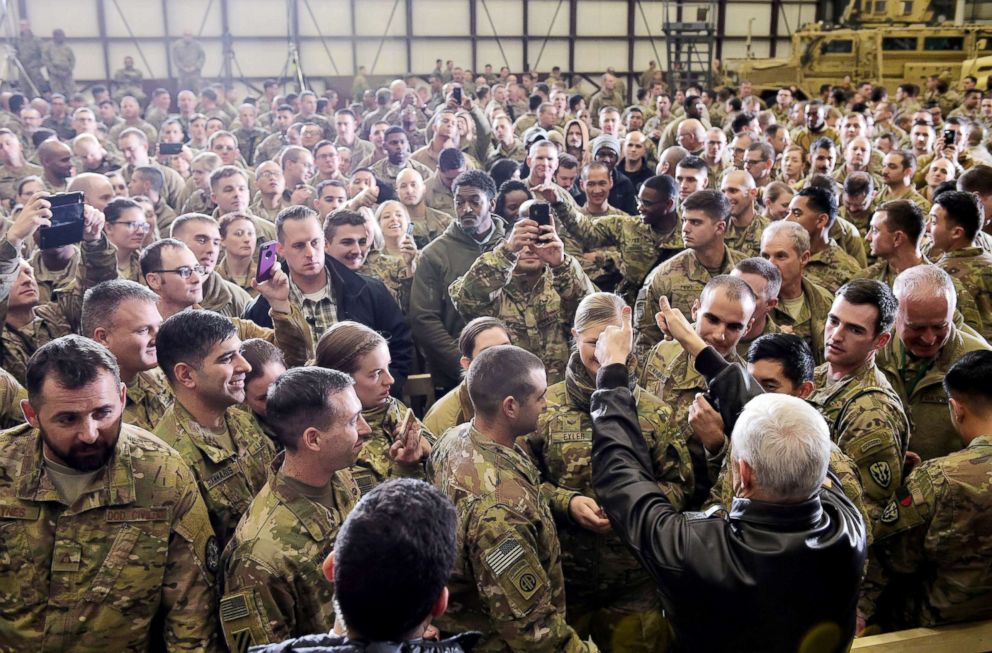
(267, 261)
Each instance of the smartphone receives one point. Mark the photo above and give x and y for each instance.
(541, 214)
(405, 422)
(458, 94)
(170, 149)
(950, 136)
(266, 261)
(67, 221)
(409, 228)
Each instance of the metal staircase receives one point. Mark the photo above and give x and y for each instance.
(690, 28)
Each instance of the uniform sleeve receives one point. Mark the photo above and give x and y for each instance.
(11, 394)
(188, 598)
(98, 263)
(514, 588)
(426, 299)
(257, 607)
(478, 291)
(572, 285)
(648, 333)
(968, 308)
(590, 233)
(290, 333)
(871, 432)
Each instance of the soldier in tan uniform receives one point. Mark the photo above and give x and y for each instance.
(507, 582)
(955, 221)
(106, 542)
(829, 265)
(123, 316)
(188, 57)
(455, 407)
(273, 582)
(681, 278)
(802, 305)
(609, 596)
(865, 415)
(898, 167)
(933, 534)
(745, 226)
(60, 61)
(532, 285)
(199, 352)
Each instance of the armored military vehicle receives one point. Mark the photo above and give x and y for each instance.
(886, 42)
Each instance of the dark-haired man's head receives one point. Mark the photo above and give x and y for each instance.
(691, 174)
(657, 202)
(782, 362)
(507, 386)
(475, 199)
(704, 219)
(896, 227)
(75, 400)
(968, 385)
(815, 209)
(955, 219)
(858, 324)
(401, 535)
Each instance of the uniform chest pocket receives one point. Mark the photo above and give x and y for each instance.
(23, 559)
(228, 486)
(130, 577)
(571, 458)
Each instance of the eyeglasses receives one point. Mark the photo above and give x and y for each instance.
(269, 173)
(752, 162)
(185, 271)
(134, 225)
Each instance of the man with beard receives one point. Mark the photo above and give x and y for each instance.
(434, 319)
(200, 354)
(97, 509)
(898, 168)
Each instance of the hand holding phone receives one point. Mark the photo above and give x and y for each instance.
(67, 221)
(266, 261)
(541, 214)
(457, 93)
(404, 424)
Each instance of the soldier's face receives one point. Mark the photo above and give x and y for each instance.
(780, 251)
(690, 180)
(720, 321)
(472, 208)
(597, 186)
(302, 246)
(220, 379)
(257, 389)
(700, 231)
(849, 334)
(531, 407)
(341, 443)
(131, 335)
(331, 199)
(942, 232)
(349, 246)
(924, 324)
(203, 238)
(770, 375)
(231, 194)
(372, 378)
(79, 427)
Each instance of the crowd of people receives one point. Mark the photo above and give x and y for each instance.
(687, 348)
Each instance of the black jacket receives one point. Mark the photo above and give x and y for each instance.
(769, 577)
(367, 301)
(330, 643)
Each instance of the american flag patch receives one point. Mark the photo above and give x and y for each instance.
(502, 557)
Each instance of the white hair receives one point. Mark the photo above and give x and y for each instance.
(795, 231)
(787, 444)
(925, 282)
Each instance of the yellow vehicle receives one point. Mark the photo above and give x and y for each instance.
(885, 42)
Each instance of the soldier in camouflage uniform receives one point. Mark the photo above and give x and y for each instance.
(30, 54)
(29, 324)
(745, 226)
(609, 596)
(529, 283)
(682, 278)
(865, 415)
(188, 57)
(955, 221)
(927, 343)
(722, 316)
(11, 394)
(829, 265)
(357, 350)
(107, 545)
(274, 587)
(643, 242)
(394, 273)
(507, 582)
(60, 61)
(199, 352)
(934, 533)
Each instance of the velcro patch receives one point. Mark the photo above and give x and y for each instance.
(871, 444)
(230, 470)
(365, 482)
(881, 473)
(572, 436)
(233, 608)
(20, 512)
(213, 555)
(137, 514)
(525, 580)
(502, 557)
(241, 641)
(891, 513)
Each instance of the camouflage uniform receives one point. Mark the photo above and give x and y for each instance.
(383, 169)
(972, 266)
(228, 480)
(868, 423)
(934, 532)
(374, 464)
(430, 226)
(680, 279)
(746, 240)
(832, 267)
(224, 297)
(53, 319)
(608, 593)
(914, 196)
(48, 280)
(850, 240)
(449, 411)
(11, 394)
(60, 61)
(30, 52)
(507, 582)
(188, 58)
(274, 586)
(804, 138)
(10, 176)
(919, 384)
(394, 273)
(538, 318)
(129, 81)
(129, 566)
(244, 283)
(640, 247)
(983, 240)
(812, 320)
(744, 344)
(147, 400)
(670, 373)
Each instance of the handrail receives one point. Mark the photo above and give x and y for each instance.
(975, 637)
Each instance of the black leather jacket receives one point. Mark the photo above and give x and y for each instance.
(769, 577)
(330, 643)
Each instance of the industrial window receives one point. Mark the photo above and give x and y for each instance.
(837, 47)
(899, 43)
(955, 43)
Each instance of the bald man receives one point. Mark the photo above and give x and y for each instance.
(636, 164)
(746, 226)
(691, 135)
(55, 158)
(96, 189)
(428, 223)
(670, 160)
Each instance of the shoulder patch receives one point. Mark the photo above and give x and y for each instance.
(891, 512)
(881, 473)
(871, 444)
(525, 580)
(212, 560)
(501, 557)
